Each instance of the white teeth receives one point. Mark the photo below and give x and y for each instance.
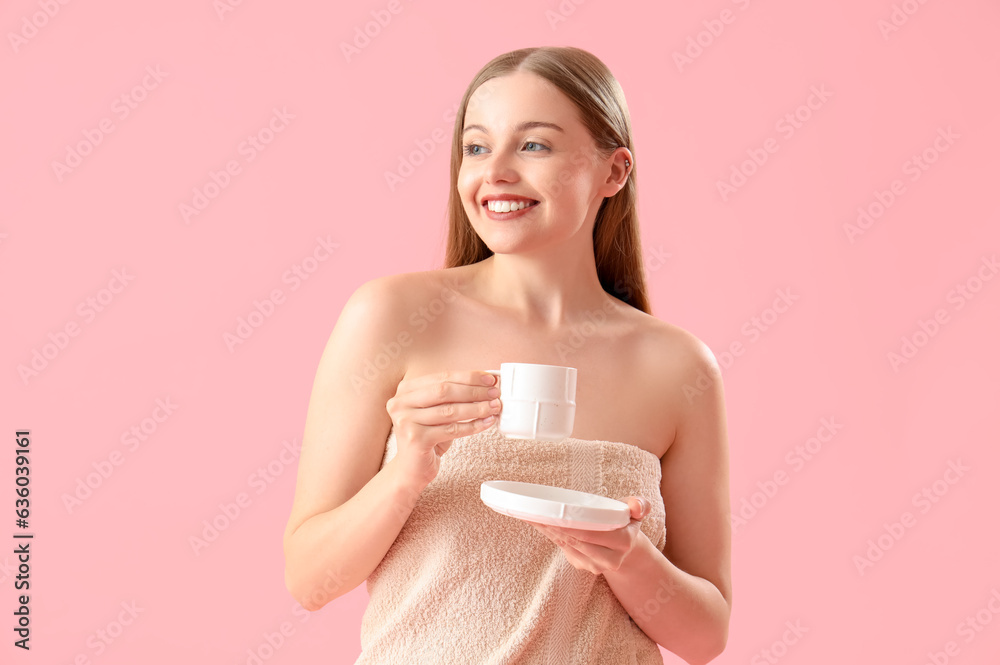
(506, 206)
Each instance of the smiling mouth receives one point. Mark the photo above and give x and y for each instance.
(508, 206)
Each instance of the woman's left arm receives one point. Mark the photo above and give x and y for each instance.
(680, 597)
(693, 571)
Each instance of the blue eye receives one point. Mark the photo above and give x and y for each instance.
(470, 148)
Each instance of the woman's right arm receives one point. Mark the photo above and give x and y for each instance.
(347, 513)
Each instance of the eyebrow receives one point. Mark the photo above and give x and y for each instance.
(531, 124)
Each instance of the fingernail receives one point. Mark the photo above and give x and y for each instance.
(489, 379)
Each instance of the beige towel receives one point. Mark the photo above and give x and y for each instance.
(465, 585)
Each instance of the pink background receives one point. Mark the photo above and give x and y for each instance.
(714, 264)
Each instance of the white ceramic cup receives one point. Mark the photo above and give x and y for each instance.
(539, 401)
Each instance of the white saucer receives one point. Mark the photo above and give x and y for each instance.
(555, 506)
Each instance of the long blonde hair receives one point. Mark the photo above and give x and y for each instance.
(589, 84)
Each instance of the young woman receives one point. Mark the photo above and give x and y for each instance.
(544, 265)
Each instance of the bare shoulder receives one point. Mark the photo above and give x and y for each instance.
(393, 292)
(384, 303)
(383, 294)
(387, 310)
(680, 370)
(672, 351)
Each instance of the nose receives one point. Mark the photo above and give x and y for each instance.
(500, 166)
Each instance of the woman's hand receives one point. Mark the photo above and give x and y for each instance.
(428, 412)
(598, 551)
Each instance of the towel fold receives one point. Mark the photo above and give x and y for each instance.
(465, 585)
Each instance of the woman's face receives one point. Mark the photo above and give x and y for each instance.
(507, 152)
